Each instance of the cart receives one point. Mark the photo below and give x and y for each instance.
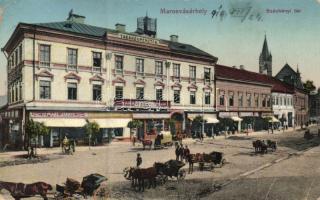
(171, 168)
(163, 139)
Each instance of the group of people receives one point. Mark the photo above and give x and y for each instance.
(182, 152)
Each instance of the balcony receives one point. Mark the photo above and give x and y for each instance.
(141, 104)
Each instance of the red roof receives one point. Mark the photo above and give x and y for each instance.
(232, 73)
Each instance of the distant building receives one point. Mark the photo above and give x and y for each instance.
(314, 106)
(265, 59)
(300, 97)
(3, 100)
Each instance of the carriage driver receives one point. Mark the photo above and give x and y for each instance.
(139, 160)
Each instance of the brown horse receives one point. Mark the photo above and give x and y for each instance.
(140, 174)
(21, 190)
(194, 158)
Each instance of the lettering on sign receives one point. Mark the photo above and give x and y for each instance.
(59, 115)
(142, 104)
(139, 39)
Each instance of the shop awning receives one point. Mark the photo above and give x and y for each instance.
(112, 122)
(273, 119)
(61, 122)
(236, 119)
(211, 120)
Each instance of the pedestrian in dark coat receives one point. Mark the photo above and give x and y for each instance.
(181, 153)
(177, 152)
(139, 160)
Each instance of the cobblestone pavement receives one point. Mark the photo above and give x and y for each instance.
(284, 174)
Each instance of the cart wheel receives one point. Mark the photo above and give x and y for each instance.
(181, 174)
(101, 192)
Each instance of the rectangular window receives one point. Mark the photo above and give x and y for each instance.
(176, 70)
(97, 61)
(231, 99)
(221, 98)
(240, 99)
(16, 88)
(17, 56)
(207, 74)
(207, 98)
(192, 97)
(140, 93)
(192, 73)
(159, 68)
(119, 64)
(72, 59)
(45, 90)
(176, 96)
(249, 100)
(277, 100)
(72, 91)
(96, 89)
(159, 94)
(119, 92)
(256, 100)
(264, 101)
(20, 53)
(45, 55)
(140, 66)
(20, 91)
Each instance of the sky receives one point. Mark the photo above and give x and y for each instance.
(292, 28)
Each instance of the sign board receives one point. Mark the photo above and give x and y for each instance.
(58, 115)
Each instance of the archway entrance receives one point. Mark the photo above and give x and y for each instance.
(178, 118)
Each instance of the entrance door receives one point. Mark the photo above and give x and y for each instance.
(178, 118)
(290, 119)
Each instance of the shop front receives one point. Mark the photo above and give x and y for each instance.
(234, 122)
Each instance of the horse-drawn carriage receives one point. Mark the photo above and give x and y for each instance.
(261, 147)
(161, 140)
(212, 159)
(171, 168)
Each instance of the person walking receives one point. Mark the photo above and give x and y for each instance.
(139, 160)
(186, 153)
(181, 153)
(177, 152)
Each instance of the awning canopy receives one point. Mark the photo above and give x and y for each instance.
(211, 120)
(273, 119)
(61, 122)
(112, 122)
(237, 119)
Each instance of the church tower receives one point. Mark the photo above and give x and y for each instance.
(265, 59)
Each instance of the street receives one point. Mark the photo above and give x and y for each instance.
(292, 172)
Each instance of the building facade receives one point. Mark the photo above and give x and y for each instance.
(314, 106)
(300, 96)
(241, 93)
(68, 73)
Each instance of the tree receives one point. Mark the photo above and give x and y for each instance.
(92, 129)
(34, 130)
(309, 86)
(172, 127)
(197, 123)
(133, 125)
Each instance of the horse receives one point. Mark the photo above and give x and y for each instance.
(272, 145)
(130, 174)
(140, 174)
(146, 143)
(21, 190)
(260, 146)
(195, 158)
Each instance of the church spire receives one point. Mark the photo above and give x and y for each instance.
(265, 59)
(265, 50)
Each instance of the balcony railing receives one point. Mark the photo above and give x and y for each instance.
(44, 64)
(141, 104)
(72, 67)
(96, 69)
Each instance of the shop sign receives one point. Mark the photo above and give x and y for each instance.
(246, 114)
(139, 39)
(127, 103)
(228, 114)
(58, 115)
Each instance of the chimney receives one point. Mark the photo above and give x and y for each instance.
(75, 18)
(174, 38)
(241, 67)
(121, 27)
